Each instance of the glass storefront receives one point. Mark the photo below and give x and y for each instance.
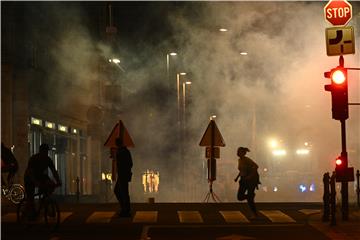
(67, 150)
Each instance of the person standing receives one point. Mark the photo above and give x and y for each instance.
(123, 165)
(9, 165)
(249, 179)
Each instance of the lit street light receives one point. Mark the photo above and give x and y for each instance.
(168, 64)
(178, 92)
(184, 102)
(223, 30)
(116, 61)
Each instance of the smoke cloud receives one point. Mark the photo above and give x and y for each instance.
(275, 91)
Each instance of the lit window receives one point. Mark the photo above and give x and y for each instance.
(49, 125)
(36, 121)
(151, 181)
(62, 128)
(74, 131)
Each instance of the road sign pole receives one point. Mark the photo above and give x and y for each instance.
(344, 184)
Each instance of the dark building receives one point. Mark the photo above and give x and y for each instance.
(42, 103)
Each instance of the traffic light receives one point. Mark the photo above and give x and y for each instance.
(342, 172)
(339, 92)
(340, 167)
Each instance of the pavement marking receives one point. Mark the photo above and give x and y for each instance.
(234, 217)
(235, 237)
(277, 216)
(145, 216)
(356, 213)
(100, 217)
(9, 217)
(310, 211)
(190, 217)
(64, 216)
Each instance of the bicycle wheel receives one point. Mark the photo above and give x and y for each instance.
(52, 214)
(16, 193)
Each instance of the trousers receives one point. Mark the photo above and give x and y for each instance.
(121, 191)
(247, 192)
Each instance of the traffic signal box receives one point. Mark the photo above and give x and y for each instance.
(339, 92)
(342, 172)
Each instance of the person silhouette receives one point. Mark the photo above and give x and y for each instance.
(249, 179)
(123, 165)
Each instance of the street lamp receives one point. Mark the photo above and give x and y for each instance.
(116, 61)
(178, 92)
(168, 64)
(223, 30)
(184, 101)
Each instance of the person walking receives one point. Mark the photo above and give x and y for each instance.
(123, 165)
(249, 179)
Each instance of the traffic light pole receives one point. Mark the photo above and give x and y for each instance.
(344, 184)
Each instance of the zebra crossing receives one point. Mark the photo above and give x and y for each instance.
(183, 216)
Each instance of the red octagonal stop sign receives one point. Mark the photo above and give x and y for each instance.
(338, 12)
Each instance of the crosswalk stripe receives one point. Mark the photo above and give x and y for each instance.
(356, 213)
(9, 217)
(64, 216)
(277, 216)
(234, 217)
(190, 217)
(145, 216)
(100, 217)
(310, 211)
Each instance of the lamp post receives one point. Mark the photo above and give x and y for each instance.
(184, 103)
(183, 131)
(178, 93)
(168, 65)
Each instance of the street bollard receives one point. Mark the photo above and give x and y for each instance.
(333, 199)
(77, 189)
(326, 197)
(358, 188)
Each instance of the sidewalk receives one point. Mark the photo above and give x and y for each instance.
(343, 230)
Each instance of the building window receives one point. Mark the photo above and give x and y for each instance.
(62, 128)
(36, 121)
(50, 125)
(74, 131)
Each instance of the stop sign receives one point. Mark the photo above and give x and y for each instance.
(338, 12)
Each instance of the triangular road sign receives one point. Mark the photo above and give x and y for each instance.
(212, 136)
(119, 131)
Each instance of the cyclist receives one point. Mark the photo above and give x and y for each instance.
(36, 176)
(9, 165)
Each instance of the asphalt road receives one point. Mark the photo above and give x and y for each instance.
(218, 221)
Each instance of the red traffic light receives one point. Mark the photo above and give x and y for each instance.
(338, 161)
(338, 76)
(339, 92)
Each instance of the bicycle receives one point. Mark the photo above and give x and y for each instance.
(45, 205)
(14, 193)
